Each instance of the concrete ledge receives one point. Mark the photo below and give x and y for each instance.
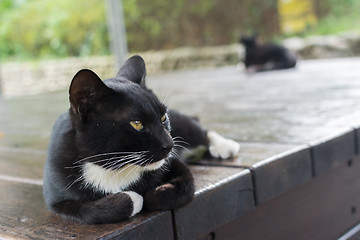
(333, 151)
(27, 78)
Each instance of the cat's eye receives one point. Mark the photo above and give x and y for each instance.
(137, 125)
(163, 119)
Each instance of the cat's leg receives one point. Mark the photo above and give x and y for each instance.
(285, 64)
(176, 191)
(268, 66)
(288, 60)
(221, 147)
(109, 209)
(190, 131)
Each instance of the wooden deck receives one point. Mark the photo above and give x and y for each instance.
(297, 176)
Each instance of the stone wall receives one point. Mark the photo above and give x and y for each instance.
(343, 45)
(27, 78)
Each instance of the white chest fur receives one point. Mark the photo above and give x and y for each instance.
(113, 181)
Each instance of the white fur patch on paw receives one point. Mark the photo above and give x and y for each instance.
(137, 200)
(221, 147)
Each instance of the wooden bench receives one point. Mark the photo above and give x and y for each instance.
(295, 178)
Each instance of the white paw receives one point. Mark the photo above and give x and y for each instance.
(221, 147)
(137, 200)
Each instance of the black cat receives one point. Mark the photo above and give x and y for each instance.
(266, 57)
(111, 154)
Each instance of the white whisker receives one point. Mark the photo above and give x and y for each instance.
(164, 167)
(117, 166)
(122, 161)
(129, 159)
(129, 155)
(163, 99)
(175, 153)
(183, 142)
(186, 149)
(135, 168)
(81, 177)
(178, 138)
(130, 165)
(105, 154)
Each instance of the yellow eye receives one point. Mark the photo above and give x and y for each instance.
(163, 119)
(137, 125)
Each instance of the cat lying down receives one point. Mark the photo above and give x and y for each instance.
(112, 153)
(266, 57)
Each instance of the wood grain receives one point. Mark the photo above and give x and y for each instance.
(23, 215)
(324, 208)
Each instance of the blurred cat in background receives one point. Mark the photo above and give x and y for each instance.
(266, 57)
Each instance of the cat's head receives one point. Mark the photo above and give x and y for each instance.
(249, 41)
(119, 121)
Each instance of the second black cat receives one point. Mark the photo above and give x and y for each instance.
(266, 57)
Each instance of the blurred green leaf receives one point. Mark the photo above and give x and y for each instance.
(47, 28)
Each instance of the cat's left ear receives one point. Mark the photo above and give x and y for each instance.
(134, 70)
(85, 90)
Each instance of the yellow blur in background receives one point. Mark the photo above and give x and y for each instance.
(296, 15)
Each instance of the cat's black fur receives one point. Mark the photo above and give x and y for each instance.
(96, 130)
(266, 57)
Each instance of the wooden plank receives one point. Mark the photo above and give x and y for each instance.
(333, 151)
(215, 203)
(26, 122)
(36, 140)
(22, 163)
(276, 168)
(324, 208)
(281, 173)
(23, 215)
(252, 153)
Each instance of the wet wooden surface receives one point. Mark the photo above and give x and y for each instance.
(325, 208)
(215, 205)
(23, 215)
(295, 127)
(333, 151)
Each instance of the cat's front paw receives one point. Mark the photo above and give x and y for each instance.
(221, 147)
(137, 201)
(162, 198)
(165, 187)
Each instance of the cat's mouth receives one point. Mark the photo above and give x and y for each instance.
(155, 165)
(157, 161)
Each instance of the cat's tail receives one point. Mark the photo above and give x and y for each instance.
(109, 209)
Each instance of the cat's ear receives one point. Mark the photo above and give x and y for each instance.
(85, 89)
(134, 70)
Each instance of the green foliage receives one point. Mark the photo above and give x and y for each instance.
(162, 24)
(48, 28)
(339, 16)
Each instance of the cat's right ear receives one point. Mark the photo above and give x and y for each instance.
(134, 70)
(85, 89)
